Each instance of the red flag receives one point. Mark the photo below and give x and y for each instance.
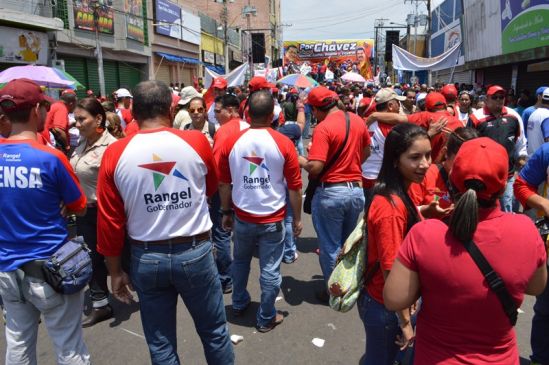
(209, 97)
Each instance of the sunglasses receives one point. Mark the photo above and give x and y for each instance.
(217, 111)
(497, 97)
(199, 110)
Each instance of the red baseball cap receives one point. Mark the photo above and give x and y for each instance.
(435, 101)
(481, 159)
(259, 83)
(293, 90)
(68, 91)
(495, 89)
(219, 83)
(22, 93)
(321, 96)
(275, 90)
(449, 91)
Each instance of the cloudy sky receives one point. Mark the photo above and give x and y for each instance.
(339, 19)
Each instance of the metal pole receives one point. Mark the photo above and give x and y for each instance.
(225, 29)
(376, 51)
(250, 45)
(429, 73)
(99, 53)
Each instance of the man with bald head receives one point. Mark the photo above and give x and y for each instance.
(261, 165)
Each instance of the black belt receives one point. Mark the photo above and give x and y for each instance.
(350, 184)
(34, 269)
(175, 240)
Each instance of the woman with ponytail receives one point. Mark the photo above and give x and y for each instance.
(94, 139)
(462, 321)
(406, 158)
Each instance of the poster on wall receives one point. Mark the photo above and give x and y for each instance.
(191, 29)
(84, 16)
(351, 52)
(524, 24)
(168, 18)
(134, 19)
(23, 46)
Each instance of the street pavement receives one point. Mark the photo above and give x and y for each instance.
(121, 341)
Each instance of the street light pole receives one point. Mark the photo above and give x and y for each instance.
(225, 18)
(98, 50)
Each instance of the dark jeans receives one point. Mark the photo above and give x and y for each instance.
(222, 243)
(539, 338)
(162, 273)
(86, 226)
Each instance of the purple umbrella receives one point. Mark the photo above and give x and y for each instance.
(42, 75)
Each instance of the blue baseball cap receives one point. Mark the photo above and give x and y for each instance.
(540, 90)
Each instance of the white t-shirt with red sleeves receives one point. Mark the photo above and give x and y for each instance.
(154, 184)
(260, 163)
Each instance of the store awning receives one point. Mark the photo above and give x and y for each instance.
(174, 58)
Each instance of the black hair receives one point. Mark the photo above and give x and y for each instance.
(151, 99)
(229, 100)
(201, 100)
(261, 105)
(94, 108)
(68, 97)
(290, 112)
(20, 115)
(409, 91)
(390, 181)
(109, 106)
(457, 138)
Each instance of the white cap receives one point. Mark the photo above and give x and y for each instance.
(123, 93)
(545, 95)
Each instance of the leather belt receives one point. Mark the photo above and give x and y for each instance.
(349, 184)
(175, 240)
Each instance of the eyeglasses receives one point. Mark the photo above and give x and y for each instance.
(199, 110)
(497, 97)
(217, 111)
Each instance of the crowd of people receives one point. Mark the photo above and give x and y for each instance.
(174, 190)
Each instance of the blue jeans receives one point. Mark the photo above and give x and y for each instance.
(507, 200)
(307, 127)
(270, 239)
(381, 328)
(222, 243)
(539, 338)
(289, 239)
(335, 211)
(161, 273)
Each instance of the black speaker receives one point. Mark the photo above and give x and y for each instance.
(258, 47)
(391, 37)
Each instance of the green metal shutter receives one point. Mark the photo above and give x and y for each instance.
(129, 75)
(76, 67)
(93, 76)
(110, 70)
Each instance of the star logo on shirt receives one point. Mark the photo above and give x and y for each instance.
(161, 169)
(255, 162)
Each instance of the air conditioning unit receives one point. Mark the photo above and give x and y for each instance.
(60, 64)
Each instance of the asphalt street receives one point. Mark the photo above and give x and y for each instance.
(121, 341)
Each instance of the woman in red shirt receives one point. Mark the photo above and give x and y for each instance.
(432, 195)
(461, 320)
(392, 213)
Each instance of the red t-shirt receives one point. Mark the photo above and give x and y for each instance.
(328, 137)
(386, 229)
(58, 117)
(432, 185)
(461, 320)
(131, 128)
(424, 120)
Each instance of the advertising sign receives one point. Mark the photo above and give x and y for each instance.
(84, 16)
(23, 46)
(524, 25)
(208, 57)
(349, 51)
(168, 17)
(134, 19)
(191, 27)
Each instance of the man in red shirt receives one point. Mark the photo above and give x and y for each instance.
(219, 87)
(261, 164)
(256, 83)
(123, 106)
(436, 120)
(339, 199)
(57, 120)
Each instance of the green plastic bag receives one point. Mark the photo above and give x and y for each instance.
(346, 281)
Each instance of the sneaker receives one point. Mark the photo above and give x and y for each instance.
(278, 319)
(291, 261)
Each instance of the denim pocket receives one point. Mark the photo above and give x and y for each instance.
(144, 273)
(42, 295)
(200, 270)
